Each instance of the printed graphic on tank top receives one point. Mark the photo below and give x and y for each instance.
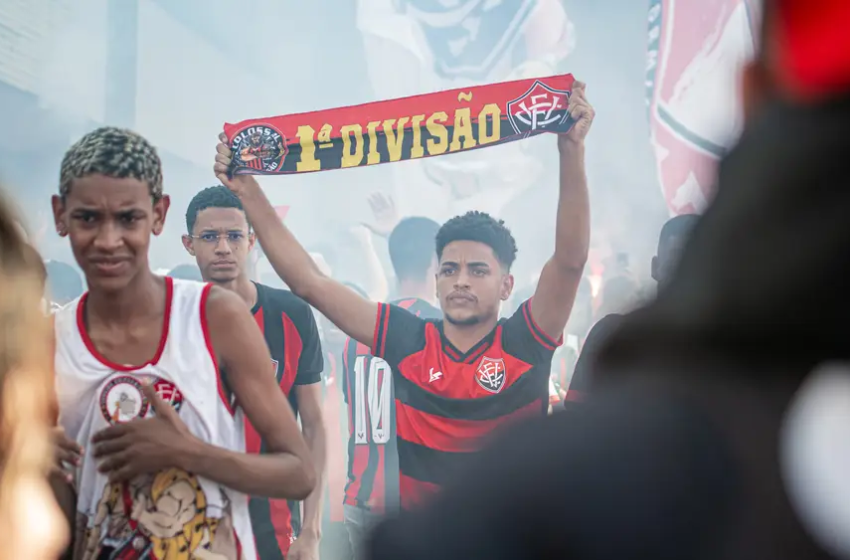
(172, 514)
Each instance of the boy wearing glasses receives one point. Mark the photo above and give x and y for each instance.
(220, 238)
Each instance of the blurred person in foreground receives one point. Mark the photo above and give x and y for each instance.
(673, 237)
(221, 240)
(372, 487)
(31, 523)
(157, 450)
(457, 380)
(679, 454)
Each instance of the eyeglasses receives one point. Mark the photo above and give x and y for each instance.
(211, 238)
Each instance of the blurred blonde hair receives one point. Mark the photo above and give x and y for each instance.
(26, 398)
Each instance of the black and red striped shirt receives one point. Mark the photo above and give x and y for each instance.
(447, 401)
(292, 336)
(372, 452)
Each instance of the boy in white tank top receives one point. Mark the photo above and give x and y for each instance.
(162, 471)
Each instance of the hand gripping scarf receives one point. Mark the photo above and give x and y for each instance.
(401, 129)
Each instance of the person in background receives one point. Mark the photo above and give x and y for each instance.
(220, 238)
(567, 355)
(64, 283)
(671, 241)
(186, 272)
(158, 457)
(494, 372)
(31, 522)
(372, 488)
(673, 237)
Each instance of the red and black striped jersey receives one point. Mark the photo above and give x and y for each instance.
(447, 401)
(372, 453)
(292, 336)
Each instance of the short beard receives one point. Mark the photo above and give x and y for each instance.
(468, 322)
(220, 280)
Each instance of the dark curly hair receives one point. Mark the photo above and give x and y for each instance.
(217, 196)
(483, 228)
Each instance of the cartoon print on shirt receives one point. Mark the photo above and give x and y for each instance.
(167, 521)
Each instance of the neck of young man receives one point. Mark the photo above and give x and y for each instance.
(243, 287)
(419, 289)
(143, 296)
(464, 337)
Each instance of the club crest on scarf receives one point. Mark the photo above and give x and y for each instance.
(539, 109)
(468, 37)
(259, 148)
(491, 374)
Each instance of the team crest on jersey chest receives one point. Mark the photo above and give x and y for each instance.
(491, 374)
(122, 400)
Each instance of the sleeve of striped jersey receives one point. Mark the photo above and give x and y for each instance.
(398, 334)
(349, 356)
(524, 339)
(311, 363)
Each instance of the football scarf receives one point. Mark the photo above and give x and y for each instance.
(401, 129)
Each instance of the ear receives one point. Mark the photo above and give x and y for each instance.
(252, 239)
(59, 215)
(160, 210)
(188, 244)
(654, 268)
(507, 287)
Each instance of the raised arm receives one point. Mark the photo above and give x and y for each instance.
(353, 314)
(286, 471)
(559, 280)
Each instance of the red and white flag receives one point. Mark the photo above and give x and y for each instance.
(695, 55)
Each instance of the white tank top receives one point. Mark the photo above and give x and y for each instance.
(171, 515)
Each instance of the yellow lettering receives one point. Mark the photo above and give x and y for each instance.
(351, 158)
(438, 132)
(308, 160)
(492, 111)
(324, 137)
(462, 135)
(395, 137)
(374, 156)
(416, 150)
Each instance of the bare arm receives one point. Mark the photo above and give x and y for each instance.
(286, 471)
(559, 280)
(354, 315)
(313, 428)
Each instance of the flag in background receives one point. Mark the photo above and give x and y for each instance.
(433, 46)
(282, 211)
(695, 54)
